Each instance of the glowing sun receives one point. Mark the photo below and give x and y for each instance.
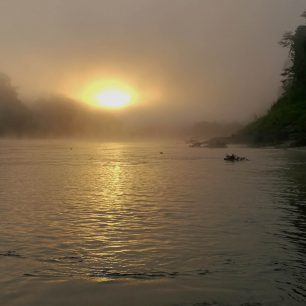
(107, 94)
(113, 98)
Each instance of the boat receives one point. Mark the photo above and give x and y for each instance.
(234, 157)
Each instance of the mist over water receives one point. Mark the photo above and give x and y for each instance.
(110, 191)
(186, 223)
(61, 117)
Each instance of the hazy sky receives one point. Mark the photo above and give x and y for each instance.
(189, 60)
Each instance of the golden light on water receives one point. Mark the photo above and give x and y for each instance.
(108, 94)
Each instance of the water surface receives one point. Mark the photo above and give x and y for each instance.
(122, 224)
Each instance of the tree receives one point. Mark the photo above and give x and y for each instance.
(294, 73)
(15, 118)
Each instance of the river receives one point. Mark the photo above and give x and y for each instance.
(150, 224)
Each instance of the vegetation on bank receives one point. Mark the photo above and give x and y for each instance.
(285, 122)
(61, 117)
(53, 116)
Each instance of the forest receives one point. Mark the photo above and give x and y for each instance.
(285, 122)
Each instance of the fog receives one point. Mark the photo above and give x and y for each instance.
(57, 116)
(190, 61)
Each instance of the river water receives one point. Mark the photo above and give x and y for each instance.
(122, 224)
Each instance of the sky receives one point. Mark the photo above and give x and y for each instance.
(185, 60)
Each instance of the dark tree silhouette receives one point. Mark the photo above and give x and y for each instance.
(54, 116)
(15, 118)
(285, 122)
(294, 74)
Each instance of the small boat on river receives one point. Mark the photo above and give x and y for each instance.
(234, 157)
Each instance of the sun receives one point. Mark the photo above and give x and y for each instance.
(113, 98)
(107, 94)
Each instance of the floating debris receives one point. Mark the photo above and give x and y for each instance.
(10, 253)
(217, 142)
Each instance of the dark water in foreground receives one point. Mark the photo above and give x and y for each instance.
(121, 224)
